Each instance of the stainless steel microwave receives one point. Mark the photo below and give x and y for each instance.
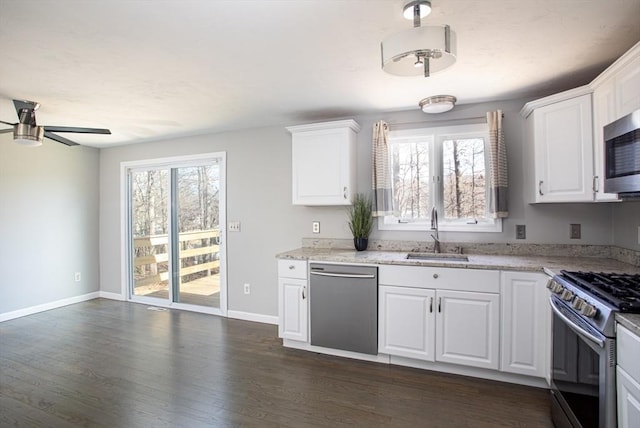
(622, 156)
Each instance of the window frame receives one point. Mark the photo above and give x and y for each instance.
(437, 135)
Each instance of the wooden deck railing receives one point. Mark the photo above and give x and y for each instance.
(150, 262)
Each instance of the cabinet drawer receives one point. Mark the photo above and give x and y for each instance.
(457, 279)
(628, 351)
(292, 269)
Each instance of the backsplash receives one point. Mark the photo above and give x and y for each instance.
(506, 249)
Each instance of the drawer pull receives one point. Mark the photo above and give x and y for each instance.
(291, 267)
(436, 276)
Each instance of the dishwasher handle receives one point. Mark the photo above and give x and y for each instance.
(344, 275)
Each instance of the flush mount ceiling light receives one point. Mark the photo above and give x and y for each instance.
(437, 103)
(419, 50)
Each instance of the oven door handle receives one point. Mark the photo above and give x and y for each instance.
(575, 327)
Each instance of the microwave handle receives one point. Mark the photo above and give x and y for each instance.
(575, 327)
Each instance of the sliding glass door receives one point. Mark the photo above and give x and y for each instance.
(176, 229)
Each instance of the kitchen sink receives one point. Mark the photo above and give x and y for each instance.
(437, 257)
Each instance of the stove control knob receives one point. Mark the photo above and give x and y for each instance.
(566, 295)
(554, 287)
(588, 310)
(578, 303)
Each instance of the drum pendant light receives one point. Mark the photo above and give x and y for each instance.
(418, 50)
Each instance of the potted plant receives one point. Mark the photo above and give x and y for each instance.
(361, 220)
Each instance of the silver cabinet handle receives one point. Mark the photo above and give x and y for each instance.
(345, 192)
(430, 305)
(291, 267)
(303, 294)
(436, 276)
(439, 304)
(596, 184)
(344, 275)
(540, 188)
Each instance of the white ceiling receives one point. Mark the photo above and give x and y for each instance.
(151, 70)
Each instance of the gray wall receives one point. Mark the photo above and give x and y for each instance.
(259, 196)
(626, 225)
(48, 223)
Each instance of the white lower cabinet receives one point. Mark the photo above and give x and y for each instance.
(628, 400)
(468, 328)
(525, 326)
(628, 378)
(406, 322)
(439, 325)
(293, 305)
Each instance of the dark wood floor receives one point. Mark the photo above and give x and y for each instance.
(116, 364)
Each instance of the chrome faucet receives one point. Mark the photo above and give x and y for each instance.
(434, 226)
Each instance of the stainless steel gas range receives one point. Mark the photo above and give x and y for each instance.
(583, 380)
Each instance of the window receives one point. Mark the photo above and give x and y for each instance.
(446, 168)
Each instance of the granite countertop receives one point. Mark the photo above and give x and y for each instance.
(631, 321)
(548, 264)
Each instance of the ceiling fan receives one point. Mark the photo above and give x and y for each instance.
(27, 133)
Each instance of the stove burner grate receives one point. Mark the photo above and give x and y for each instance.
(621, 290)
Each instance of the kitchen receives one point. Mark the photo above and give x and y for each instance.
(265, 216)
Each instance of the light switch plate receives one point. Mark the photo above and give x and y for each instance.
(521, 231)
(315, 227)
(234, 226)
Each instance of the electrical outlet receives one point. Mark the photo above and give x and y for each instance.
(315, 227)
(247, 289)
(521, 231)
(234, 226)
(78, 276)
(575, 231)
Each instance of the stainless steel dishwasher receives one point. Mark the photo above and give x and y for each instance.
(343, 302)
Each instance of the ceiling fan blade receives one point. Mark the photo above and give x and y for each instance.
(59, 139)
(7, 123)
(76, 130)
(5, 131)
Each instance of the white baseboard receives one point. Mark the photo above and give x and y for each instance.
(248, 316)
(48, 306)
(112, 296)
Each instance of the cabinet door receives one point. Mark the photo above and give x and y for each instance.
(525, 326)
(628, 400)
(604, 112)
(564, 151)
(406, 322)
(628, 88)
(293, 309)
(467, 328)
(322, 170)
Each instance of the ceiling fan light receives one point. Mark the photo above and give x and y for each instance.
(424, 7)
(27, 135)
(437, 103)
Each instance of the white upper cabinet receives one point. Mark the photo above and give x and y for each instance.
(616, 92)
(627, 84)
(564, 149)
(604, 112)
(324, 162)
(560, 134)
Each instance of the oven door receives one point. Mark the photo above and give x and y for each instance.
(583, 372)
